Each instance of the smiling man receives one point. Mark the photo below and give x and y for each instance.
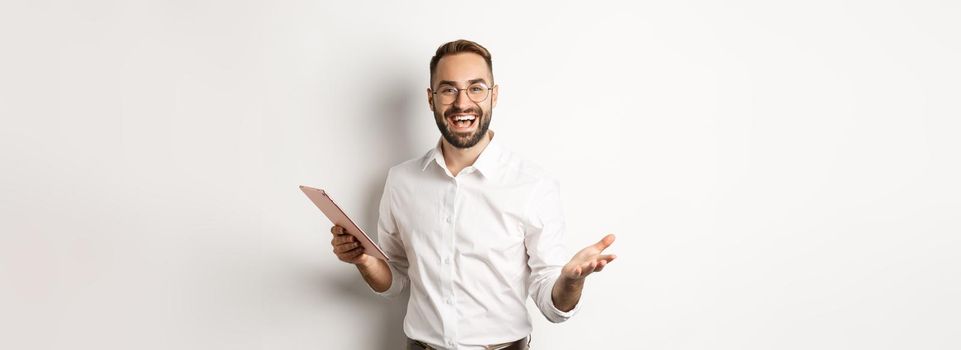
(471, 227)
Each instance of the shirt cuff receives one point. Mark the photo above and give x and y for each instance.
(552, 313)
(558, 316)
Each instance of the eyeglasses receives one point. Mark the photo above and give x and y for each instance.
(447, 94)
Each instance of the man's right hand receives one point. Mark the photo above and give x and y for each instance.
(347, 248)
(375, 271)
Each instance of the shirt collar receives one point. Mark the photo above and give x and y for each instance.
(487, 163)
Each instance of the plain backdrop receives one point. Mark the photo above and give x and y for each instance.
(780, 175)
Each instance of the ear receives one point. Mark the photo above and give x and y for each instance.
(494, 96)
(430, 100)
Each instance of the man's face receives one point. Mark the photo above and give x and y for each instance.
(461, 71)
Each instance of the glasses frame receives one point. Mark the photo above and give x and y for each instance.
(489, 90)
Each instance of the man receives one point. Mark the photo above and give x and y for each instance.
(472, 228)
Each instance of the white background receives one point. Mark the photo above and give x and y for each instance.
(779, 175)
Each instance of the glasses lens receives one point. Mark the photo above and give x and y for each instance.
(477, 92)
(446, 94)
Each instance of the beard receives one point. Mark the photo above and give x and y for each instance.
(461, 140)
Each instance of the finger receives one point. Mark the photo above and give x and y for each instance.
(604, 242)
(606, 258)
(603, 260)
(340, 248)
(337, 230)
(600, 265)
(586, 268)
(341, 239)
(350, 254)
(355, 255)
(345, 247)
(357, 258)
(573, 271)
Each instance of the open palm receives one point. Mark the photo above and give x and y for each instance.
(589, 260)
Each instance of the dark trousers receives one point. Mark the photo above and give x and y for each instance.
(521, 344)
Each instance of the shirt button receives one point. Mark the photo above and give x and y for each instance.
(449, 219)
(446, 260)
(449, 302)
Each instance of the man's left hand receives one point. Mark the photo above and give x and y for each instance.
(589, 260)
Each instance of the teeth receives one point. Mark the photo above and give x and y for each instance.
(464, 117)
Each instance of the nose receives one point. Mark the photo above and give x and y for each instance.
(461, 101)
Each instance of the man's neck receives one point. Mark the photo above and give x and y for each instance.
(459, 158)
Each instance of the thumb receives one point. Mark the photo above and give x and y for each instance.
(605, 242)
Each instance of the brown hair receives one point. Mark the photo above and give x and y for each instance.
(459, 46)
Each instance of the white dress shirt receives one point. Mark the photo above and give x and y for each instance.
(472, 247)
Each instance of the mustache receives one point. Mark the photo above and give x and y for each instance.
(455, 110)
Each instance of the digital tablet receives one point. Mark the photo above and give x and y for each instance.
(337, 216)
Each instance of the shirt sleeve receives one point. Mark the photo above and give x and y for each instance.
(546, 251)
(390, 241)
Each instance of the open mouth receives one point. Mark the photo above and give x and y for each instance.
(462, 122)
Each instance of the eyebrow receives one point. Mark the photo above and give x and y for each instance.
(472, 81)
